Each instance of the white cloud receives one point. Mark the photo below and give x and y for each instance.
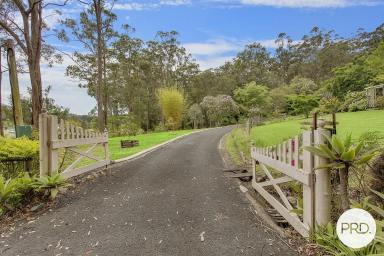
(137, 6)
(311, 3)
(175, 2)
(133, 6)
(215, 52)
(213, 61)
(212, 47)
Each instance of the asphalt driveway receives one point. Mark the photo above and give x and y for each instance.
(173, 201)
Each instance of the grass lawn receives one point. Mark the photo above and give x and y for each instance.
(273, 133)
(355, 123)
(145, 141)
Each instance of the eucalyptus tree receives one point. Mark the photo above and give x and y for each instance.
(28, 35)
(94, 31)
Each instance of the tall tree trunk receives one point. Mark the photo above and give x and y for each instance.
(343, 173)
(99, 83)
(105, 89)
(34, 61)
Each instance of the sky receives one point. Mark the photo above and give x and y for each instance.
(213, 31)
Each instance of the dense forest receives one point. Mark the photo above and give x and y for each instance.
(322, 71)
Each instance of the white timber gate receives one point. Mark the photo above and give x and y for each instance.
(55, 135)
(290, 162)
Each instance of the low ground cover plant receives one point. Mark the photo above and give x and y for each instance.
(24, 189)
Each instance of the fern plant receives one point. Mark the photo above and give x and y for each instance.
(342, 155)
(50, 184)
(9, 196)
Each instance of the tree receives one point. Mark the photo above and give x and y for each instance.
(171, 101)
(301, 104)
(94, 30)
(28, 37)
(195, 114)
(219, 110)
(253, 95)
(357, 75)
(302, 85)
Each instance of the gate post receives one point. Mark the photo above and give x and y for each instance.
(43, 143)
(53, 154)
(322, 184)
(308, 191)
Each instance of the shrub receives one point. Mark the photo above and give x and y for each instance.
(50, 184)
(123, 125)
(380, 102)
(195, 115)
(378, 173)
(330, 105)
(355, 101)
(301, 104)
(172, 105)
(20, 148)
(9, 195)
(21, 190)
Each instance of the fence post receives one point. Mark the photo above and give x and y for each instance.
(308, 191)
(106, 146)
(322, 185)
(43, 140)
(53, 154)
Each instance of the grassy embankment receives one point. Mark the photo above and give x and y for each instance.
(273, 133)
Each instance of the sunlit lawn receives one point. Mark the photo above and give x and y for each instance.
(355, 123)
(145, 141)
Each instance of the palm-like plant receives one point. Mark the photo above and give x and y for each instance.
(50, 184)
(9, 196)
(342, 155)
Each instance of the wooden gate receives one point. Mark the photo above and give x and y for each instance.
(55, 136)
(292, 163)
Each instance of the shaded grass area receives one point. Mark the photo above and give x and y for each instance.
(355, 123)
(238, 141)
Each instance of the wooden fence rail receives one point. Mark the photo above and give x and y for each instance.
(55, 135)
(293, 163)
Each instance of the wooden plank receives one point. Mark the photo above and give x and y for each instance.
(53, 154)
(296, 152)
(62, 129)
(292, 219)
(85, 154)
(74, 163)
(284, 152)
(277, 188)
(276, 181)
(308, 190)
(289, 156)
(77, 142)
(43, 137)
(68, 131)
(293, 172)
(85, 169)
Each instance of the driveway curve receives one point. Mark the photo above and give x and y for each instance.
(173, 201)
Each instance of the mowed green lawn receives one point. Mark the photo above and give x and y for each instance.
(145, 141)
(355, 123)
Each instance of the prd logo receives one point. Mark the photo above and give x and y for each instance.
(356, 228)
